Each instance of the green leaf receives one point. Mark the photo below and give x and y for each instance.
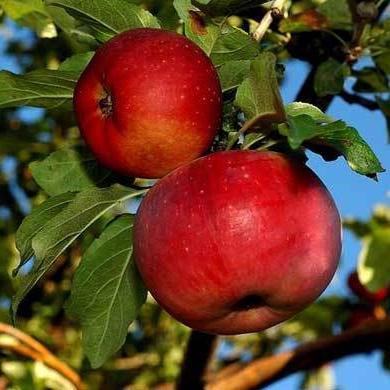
(62, 230)
(40, 88)
(307, 20)
(381, 215)
(383, 61)
(373, 269)
(68, 170)
(329, 77)
(30, 13)
(363, 229)
(80, 35)
(357, 227)
(258, 96)
(182, 8)
(107, 291)
(107, 18)
(226, 7)
(322, 377)
(338, 13)
(223, 43)
(343, 139)
(77, 63)
(301, 128)
(233, 73)
(370, 80)
(250, 139)
(35, 222)
(384, 105)
(300, 108)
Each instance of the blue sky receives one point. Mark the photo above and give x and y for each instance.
(355, 196)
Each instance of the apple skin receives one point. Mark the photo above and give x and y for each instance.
(361, 291)
(149, 101)
(237, 241)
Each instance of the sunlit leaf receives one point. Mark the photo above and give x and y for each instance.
(107, 18)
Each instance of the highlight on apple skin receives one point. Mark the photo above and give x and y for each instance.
(149, 101)
(237, 241)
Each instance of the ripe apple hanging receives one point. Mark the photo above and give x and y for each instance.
(237, 241)
(149, 101)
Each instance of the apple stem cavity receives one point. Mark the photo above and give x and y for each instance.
(105, 105)
(249, 302)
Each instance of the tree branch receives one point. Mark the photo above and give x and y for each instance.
(27, 346)
(356, 99)
(264, 371)
(199, 350)
(275, 11)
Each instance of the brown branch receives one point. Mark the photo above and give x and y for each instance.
(356, 99)
(199, 350)
(264, 371)
(266, 21)
(36, 351)
(20, 349)
(23, 337)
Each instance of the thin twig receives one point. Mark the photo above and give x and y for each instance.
(36, 351)
(275, 10)
(356, 99)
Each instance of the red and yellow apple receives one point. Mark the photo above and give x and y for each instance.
(149, 101)
(237, 241)
(363, 293)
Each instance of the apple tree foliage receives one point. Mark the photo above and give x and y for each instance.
(74, 248)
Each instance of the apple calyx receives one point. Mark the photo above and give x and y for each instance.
(251, 301)
(106, 104)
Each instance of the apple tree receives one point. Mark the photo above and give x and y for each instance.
(106, 109)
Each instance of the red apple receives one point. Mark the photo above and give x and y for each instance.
(361, 291)
(149, 101)
(237, 241)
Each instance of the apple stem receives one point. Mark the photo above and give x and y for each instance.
(274, 12)
(198, 353)
(268, 144)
